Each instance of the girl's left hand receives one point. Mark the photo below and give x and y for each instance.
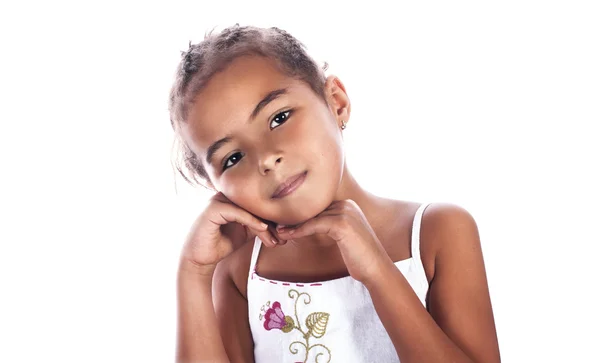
(345, 222)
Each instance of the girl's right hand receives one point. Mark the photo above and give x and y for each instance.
(220, 229)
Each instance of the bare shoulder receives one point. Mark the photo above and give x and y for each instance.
(459, 299)
(399, 216)
(442, 217)
(442, 226)
(447, 226)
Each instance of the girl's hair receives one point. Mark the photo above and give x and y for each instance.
(203, 60)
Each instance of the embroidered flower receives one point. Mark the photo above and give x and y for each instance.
(316, 325)
(275, 319)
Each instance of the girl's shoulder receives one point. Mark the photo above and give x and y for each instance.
(437, 228)
(447, 231)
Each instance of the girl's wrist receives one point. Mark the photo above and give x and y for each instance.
(187, 267)
(379, 272)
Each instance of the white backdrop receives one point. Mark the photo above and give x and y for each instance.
(493, 107)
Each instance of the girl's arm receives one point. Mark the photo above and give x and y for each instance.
(459, 326)
(213, 317)
(216, 234)
(198, 338)
(231, 308)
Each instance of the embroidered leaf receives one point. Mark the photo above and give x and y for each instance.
(317, 324)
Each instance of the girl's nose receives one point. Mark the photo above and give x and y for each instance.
(270, 163)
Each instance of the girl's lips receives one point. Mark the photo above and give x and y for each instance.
(289, 185)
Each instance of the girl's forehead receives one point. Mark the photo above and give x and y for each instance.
(231, 96)
(245, 79)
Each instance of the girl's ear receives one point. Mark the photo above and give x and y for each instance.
(337, 99)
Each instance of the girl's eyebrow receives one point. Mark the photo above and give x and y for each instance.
(273, 95)
(265, 101)
(212, 149)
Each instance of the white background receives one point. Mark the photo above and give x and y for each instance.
(493, 107)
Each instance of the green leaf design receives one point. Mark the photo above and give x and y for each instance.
(317, 324)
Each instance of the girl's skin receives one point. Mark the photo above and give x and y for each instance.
(337, 228)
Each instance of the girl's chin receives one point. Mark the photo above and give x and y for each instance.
(285, 222)
(293, 212)
(297, 217)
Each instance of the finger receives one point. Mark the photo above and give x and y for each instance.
(230, 214)
(268, 239)
(273, 231)
(221, 198)
(227, 213)
(264, 236)
(327, 212)
(319, 225)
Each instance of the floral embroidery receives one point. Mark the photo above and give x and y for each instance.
(274, 319)
(316, 324)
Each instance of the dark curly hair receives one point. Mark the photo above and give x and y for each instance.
(203, 60)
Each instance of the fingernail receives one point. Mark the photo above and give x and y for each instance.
(274, 241)
(264, 225)
(291, 231)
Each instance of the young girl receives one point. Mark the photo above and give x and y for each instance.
(342, 275)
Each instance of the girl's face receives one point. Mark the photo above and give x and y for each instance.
(254, 128)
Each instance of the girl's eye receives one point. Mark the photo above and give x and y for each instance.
(279, 119)
(232, 160)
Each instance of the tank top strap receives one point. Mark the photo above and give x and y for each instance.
(255, 252)
(416, 238)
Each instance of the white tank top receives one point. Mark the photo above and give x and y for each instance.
(324, 321)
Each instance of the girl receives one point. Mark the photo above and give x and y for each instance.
(342, 275)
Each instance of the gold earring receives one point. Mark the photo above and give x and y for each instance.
(343, 125)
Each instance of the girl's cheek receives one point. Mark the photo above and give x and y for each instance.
(240, 187)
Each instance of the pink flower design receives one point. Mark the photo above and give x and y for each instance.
(275, 319)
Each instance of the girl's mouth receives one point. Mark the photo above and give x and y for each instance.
(289, 185)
